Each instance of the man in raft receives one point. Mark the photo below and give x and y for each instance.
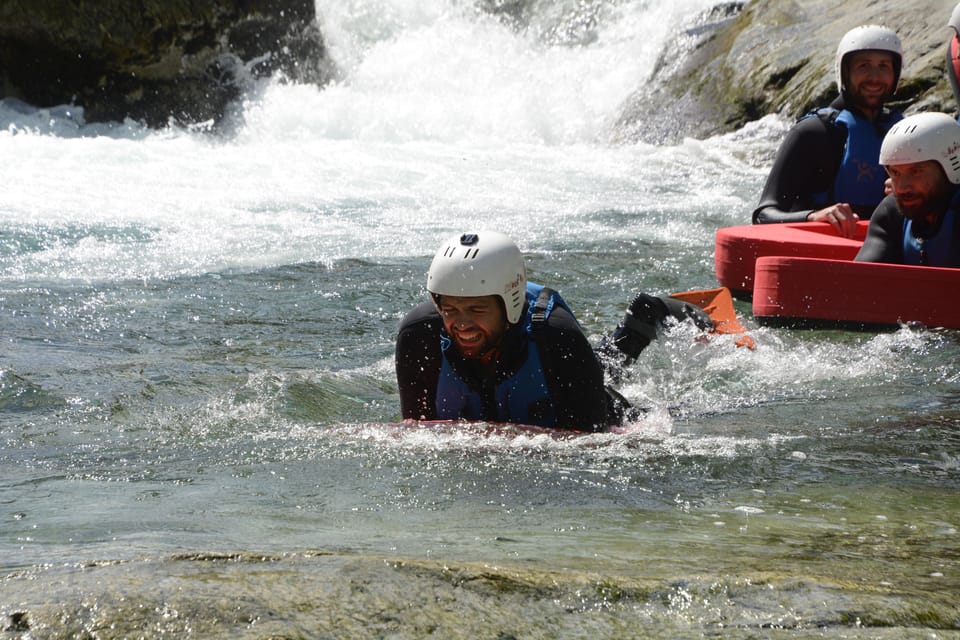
(918, 223)
(826, 168)
(489, 345)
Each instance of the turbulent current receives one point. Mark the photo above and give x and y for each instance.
(198, 411)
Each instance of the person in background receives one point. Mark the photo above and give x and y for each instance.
(489, 345)
(826, 167)
(953, 54)
(918, 224)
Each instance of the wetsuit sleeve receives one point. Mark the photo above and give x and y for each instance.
(418, 361)
(806, 164)
(884, 241)
(574, 374)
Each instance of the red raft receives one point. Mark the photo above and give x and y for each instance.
(804, 275)
(737, 248)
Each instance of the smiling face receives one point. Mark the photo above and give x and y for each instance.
(921, 189)
(476, 324)
(870, 79)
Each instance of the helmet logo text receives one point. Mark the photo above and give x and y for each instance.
(513, 285)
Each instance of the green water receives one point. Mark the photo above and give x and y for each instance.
(198, 403)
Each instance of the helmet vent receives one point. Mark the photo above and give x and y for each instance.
(487, 263)
(922, 137)
(954, 161)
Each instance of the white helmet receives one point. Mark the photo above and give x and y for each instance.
(866, 38)
(921, 137)
(480, 264)
(955, 19)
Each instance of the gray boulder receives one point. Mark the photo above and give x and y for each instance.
(741, 61)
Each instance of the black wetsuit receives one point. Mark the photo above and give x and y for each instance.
(574, 375)
(885, 241)
(805, 169)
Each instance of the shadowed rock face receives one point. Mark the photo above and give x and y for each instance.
(153, 60)
(741, 61)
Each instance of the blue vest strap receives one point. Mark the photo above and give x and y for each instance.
(860, 177)
(523, 397)
(929, 252)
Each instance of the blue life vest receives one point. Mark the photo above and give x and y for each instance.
(524, 396)
(859, 180)
(930, 252)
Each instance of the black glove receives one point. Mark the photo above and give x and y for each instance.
(639, 326)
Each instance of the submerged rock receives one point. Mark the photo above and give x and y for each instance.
(327, 595)
(153, 61)
(741, 61)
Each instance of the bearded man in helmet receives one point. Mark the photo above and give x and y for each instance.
(917, 224)
(826, 167)
(489, 345)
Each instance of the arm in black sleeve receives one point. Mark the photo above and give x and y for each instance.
(806, 163)
(884, 241)
(574, 374)
(418, 361)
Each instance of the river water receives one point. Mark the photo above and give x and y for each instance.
(198, 410)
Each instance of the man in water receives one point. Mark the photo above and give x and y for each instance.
(489, 345)
(826, 168)
(918, 223)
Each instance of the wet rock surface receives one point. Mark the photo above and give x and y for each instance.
(316, 594)
(153, 61)
(741, 61)
(186, 61)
